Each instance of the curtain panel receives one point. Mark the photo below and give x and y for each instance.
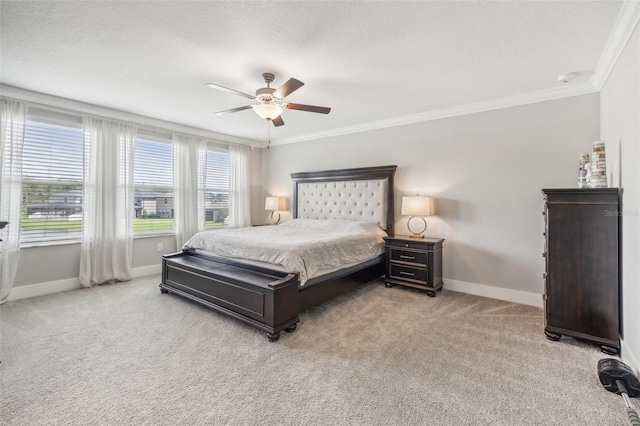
(107, 204)
(190, 154)
(13, 116)
(239, 200)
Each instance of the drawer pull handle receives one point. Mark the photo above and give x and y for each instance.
(402, 256)
(409, 274)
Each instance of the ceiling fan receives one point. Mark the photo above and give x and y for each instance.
(271, 101)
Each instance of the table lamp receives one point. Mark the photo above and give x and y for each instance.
(274, 204)
(417, 206)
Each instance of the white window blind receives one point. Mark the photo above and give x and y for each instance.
(51, 183)
(153, 186)
(217, 189)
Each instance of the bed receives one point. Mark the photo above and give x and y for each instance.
(270, 296)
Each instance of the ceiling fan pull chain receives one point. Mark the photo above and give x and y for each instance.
(268, 135)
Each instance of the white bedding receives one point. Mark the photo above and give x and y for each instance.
(303, 246)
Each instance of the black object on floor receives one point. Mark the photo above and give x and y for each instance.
(618, 377)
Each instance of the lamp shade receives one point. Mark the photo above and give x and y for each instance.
(275, 203)
(417, 205)
(268, 111)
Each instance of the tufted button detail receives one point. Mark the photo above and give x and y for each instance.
(354, 199)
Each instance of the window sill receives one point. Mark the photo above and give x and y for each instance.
(32, 244)
(154, 235)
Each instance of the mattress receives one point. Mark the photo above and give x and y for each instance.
(308, 247)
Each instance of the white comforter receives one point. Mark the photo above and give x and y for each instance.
(304, 246)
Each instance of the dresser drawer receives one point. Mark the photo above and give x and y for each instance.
(408, 273)
(419, 258)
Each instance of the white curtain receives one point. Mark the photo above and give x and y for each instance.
(107, 204)
(189, 156)
(12, 127)
(239, 200)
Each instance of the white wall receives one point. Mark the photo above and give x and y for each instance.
(620, 129)
(486, 171)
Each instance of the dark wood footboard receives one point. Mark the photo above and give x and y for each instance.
(264, 298)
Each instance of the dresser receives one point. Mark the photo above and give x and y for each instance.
(414, 262)
(582, 262)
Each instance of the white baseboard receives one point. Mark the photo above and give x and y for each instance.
(629, 357)
(509, 295)
(516, 296)
(40, 289)
(145, 271)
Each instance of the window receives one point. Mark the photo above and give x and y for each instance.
(216, 200)
(51, 182)
(153, 186)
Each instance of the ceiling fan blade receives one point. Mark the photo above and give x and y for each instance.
(226, 89)
(229, 111)
(309, 108)
(278, 121)
(288, 88)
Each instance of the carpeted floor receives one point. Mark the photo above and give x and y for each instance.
(125, 354)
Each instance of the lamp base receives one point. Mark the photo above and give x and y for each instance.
(413, 233)
(277, 220)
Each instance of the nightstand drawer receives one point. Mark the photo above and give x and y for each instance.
(408, 274)
(418, 244)
(408, 256)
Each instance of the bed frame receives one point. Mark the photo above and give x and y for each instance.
(271, 299)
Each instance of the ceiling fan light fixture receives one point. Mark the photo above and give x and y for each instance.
(268, 111)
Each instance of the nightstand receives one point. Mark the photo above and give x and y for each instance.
(414, 262)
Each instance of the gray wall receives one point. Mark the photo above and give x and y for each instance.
(620, 122)
(62, 261)
(485, 171)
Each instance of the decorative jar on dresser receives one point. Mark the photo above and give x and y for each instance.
(414, 262)
(582, 276)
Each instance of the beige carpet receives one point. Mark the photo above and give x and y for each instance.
(125, 354)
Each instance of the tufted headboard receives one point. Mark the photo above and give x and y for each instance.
(362, 194)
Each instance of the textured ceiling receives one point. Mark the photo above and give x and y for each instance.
(368, 61)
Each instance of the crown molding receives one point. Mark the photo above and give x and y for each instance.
(623, 28)
(46, 101)
(507, 102)
(625, 24)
